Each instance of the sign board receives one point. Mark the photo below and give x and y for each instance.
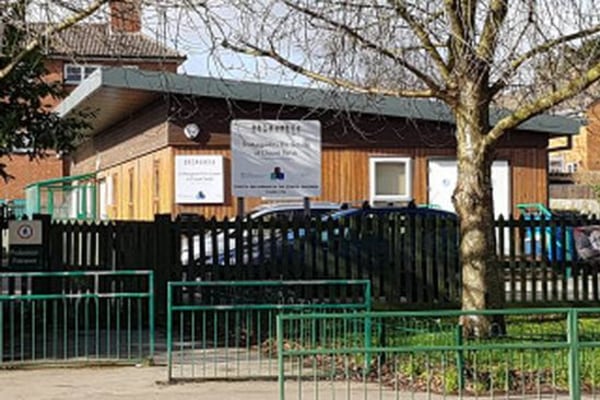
(25, 232)
(199, 179)
(273, 158)
(25, 245)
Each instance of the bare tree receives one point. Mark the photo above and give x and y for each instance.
(465, 53)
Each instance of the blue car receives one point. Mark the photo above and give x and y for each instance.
(373, 229)
(361, 233)
(408, 253)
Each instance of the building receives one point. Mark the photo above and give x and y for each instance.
(582, 153)
(73, 55)
(139, 133)
(574, 167)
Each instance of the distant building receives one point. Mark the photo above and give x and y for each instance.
(582, 152)
(71, 57)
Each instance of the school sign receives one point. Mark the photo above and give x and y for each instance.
(273, 158)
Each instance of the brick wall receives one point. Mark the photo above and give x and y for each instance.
(25, 172)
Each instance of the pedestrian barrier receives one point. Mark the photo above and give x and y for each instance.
(530, 353)
(226, 330)
(77, 316)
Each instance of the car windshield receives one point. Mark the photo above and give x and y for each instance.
(382, 211)
(291, 212)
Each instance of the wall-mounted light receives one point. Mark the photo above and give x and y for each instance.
(191, 131)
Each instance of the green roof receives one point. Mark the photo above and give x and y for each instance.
(61, 180)
(110, 91)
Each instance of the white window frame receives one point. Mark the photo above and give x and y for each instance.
(82, 68)
(373, 197)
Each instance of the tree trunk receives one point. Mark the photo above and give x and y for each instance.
(483, 286)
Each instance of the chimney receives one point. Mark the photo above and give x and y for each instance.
(125, 16)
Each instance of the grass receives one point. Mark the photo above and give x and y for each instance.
(480, 370)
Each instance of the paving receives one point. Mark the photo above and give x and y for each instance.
(147, 383)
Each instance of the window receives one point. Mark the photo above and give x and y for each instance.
(75, 73)
(390, 180)
(556, 164)
(103, 198)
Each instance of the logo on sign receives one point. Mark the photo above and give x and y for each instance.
(25, 231)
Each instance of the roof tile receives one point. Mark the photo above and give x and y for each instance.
(97, 40)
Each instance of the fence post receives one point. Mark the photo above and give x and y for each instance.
(280, 359)
(163, 262)
(46, 220)
(151, 306)
(573, 340)
(169, 300)
(460, 358)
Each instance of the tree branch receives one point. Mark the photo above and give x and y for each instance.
(421, 33)
(456, 34)
(544, 47)
(570, 89)
(51, 30)
(489, 36)
(433, 86)
(343, 83)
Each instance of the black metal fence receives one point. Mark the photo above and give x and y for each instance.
(410, 259)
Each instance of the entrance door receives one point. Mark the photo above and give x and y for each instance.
(442, 181)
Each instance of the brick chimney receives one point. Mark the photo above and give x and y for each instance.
(125, 16)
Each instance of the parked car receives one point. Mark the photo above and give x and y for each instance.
(363, 234)
(265, 213)
(355, 230)
(408, 253)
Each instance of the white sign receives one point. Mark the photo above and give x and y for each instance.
(25, 232)
(199, 179)
(272, 158)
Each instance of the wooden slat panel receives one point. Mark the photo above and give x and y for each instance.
(129, 140)
(144, 179)
(345, 177)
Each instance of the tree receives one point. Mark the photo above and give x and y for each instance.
(465, 53)
(26, 121)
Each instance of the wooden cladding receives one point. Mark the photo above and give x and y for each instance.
(345, 176)
(145, 186)
(142, 187)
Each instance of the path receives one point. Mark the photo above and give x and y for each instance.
(131, 383)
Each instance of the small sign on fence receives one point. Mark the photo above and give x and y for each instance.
(26, 251)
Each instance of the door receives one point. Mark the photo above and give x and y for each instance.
(442, 181)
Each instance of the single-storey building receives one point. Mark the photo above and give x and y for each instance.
(373, 148)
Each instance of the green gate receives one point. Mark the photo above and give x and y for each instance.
(226, 330)
(64, 317)
(532, 353)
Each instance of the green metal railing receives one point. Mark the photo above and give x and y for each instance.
(226, 330)
(534, 353)
(77, 316)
